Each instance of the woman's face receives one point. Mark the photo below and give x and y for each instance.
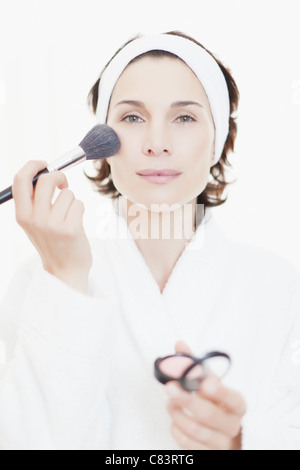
(159, 135)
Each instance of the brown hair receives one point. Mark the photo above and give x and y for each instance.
(212, 195)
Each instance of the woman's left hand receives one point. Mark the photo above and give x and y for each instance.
(205, 420)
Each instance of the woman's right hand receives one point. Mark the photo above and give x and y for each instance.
(56, 230)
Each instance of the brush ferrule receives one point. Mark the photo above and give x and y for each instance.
(69, 159)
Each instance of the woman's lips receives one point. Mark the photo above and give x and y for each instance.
(154, 175)
(158, 172)
(159, 178)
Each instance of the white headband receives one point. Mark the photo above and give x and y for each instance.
(200, 61)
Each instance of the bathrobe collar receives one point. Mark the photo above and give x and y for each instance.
(157, 320)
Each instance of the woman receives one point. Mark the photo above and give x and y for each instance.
(85, 320)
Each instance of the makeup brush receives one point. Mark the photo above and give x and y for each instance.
(100, 142)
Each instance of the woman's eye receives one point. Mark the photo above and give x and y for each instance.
(188, 117)
(131, 116)
(133, 119)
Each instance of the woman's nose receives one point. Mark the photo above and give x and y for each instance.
(157, 142)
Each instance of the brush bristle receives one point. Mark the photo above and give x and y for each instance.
(100, 142)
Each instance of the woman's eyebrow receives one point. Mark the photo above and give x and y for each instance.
(176, 104)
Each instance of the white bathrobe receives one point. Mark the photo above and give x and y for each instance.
(76, 370)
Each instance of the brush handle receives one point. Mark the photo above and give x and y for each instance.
(6, 194)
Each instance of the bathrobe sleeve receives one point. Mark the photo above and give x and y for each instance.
(54, 360)
(275, 423)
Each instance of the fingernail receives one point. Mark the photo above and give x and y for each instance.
(172, 390)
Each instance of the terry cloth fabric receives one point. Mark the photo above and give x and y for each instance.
(78, 371)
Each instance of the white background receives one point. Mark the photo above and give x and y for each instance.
(52, 52)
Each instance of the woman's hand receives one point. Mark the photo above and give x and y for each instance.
(56, 230)
(205, 420)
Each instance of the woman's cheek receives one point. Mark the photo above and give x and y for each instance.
(130, 144)
(123, 168)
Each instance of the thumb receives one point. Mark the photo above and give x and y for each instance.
(182, 347)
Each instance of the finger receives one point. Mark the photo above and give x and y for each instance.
(229, 399)
(186, 442)
(203, 410)
(60, 208)
(199, 433)
(64, 185)
(44, 190)
(74, 217)
(22, 187)
(182, 347)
